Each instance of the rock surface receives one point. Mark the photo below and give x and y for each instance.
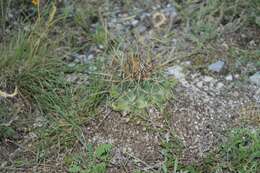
(217, 66)
(255, 78)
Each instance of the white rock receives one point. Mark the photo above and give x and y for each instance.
(176, 71)
(208, 78)
(219, 86)
(200, 84)
(229, 77)
(134, 23)
(217, 66)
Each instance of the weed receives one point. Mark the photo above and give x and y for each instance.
(95, 161)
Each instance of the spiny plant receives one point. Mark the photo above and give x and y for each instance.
(137, 82)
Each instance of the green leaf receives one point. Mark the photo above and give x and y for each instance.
(141, 103)
(98, 168)
(121, 105)
(6, 132)
(103, 150)
(114, 92)
(74, 168)
(257, 20)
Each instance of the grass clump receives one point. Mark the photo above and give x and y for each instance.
(210, 19)
(240, 153)
(31, 63)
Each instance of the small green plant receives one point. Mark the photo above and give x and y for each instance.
(171, 151)
(238, 154)
(100, 36)
(95, 161)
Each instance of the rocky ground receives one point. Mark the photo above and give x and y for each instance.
(208, 101)
(212, 94)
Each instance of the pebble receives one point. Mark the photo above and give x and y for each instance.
(229, 77)
(237, 76)
(170, 11)
(89, 57)
(219, 85)
(217, 66)
(72, 78)
(134, 23)
(141, 29)
(176, 71)
(255, 79)
(200, 84)
(208, 78)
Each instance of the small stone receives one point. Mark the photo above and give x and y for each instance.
(186, 63)
(252, 43)
(229, 77)
(134, 23)
(3, 164)
(219, 86)
(176, 71)
(170, 11)
(127, 120)
(39, 122)
(236, 94)
(141, 29)
(200, 84)
(237, 76)
(100, 46)
(174, 42)
(217, 66)
(208, 78)
(119, 27)
(90, 57)
(72, 78)
(78, 57)
(145, 15)
(255, 79)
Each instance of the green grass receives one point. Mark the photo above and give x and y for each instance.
(94, 161)
(32, 62)
(208, 20)
(239, 153)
